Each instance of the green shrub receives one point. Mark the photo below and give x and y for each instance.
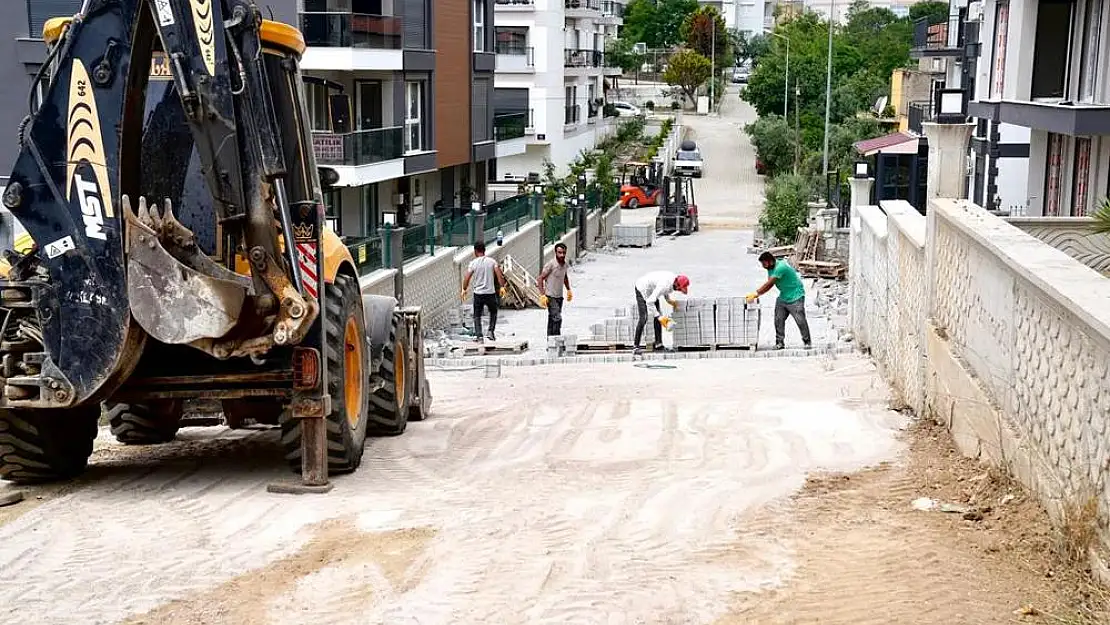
(786, 207)
(650, 105)
(675, 105)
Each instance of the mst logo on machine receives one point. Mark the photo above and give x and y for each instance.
(86, 169)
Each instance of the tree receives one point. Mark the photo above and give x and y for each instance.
(698, 33)
(688, 70)
(752, 48)
(786, 207)
(656, 23)
(935, 11)
(773, 140)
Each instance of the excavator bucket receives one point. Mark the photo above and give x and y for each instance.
(177, 293)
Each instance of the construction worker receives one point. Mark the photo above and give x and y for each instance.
(553, 279)
(649, 289)
(791, 301)
(487, 276)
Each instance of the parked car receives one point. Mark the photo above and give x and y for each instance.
(624, 109)
(687, 160)
(740, 76)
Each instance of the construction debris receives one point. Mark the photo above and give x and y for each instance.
(522, 290)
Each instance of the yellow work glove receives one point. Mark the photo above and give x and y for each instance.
(751, 297)
(665, 322)
(502, 292)
(570, 295)
(543, 301)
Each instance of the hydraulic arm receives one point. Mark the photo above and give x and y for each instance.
(112, 267)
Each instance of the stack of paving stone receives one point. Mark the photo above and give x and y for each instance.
(737, 322)
(616, 329)
(627, 235)
(724, 321)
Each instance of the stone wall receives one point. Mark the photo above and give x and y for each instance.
(1075, 236)
(378, 283)
(431, 282)
(1006, 340)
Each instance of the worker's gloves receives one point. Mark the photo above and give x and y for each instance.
(751, 297)
(665, 322)
(570, 295)
(502, 292)
(543, 301)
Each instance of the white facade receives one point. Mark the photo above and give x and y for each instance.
(554, 51)
(746, 16)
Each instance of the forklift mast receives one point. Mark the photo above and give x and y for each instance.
(110, 268)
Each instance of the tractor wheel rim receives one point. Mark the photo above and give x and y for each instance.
(352, 367)
(399, 376)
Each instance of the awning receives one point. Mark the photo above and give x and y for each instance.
(897, 143)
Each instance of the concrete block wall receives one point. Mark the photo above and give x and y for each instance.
(432, 282)
(611, 218)
(1006, 339)
(378, 283)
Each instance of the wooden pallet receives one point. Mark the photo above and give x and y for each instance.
(522, 290)
(606, 346)
(491, 348)
(822, 269)
(713, 348)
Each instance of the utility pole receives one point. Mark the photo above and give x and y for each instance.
(712, 60)
(797, 127)
(786, 78)
(828, 84)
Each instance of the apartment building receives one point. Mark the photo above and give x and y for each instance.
(1043, 104)
(551, 80)
(400, 97)
(745, 16)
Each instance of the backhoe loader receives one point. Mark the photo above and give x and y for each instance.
(179, 251)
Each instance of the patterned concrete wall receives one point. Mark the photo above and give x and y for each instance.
(1075, 236)
(432, 282)
(378, 283)
(612, 218)
(1009, 344)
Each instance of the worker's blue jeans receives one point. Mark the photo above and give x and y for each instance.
(554, 316)
(796, 310)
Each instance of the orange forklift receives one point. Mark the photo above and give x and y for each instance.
(641, 184)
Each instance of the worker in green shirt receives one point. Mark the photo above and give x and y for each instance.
(791, 301)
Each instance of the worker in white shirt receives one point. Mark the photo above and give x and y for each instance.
(649, 289)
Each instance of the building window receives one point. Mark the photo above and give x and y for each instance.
(316, 96)
(1050, 63)
(1081, 177)
(998, 68)
(1088, 68)
(414, 116)
(1054, 170)
(479, 26)
(333, 211)
(370, 216)
(512, 40)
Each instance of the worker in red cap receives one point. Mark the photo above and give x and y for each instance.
(649, 289)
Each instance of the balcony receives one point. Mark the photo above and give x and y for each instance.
(582, 8)
(572, 114)
(515, 58)
(930, 38)
(918, 113)
(612, 9)
(515, 5)
(508, 126)
(364, 147)
(583, 58)
(351, 30)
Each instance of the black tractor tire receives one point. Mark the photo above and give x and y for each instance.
(263, 410)
(344, 331)
(389, 405)
(45, 445)
(151, 423)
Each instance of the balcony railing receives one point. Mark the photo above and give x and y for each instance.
(509, 125)
(351, 30)
(364, 147)
(917, 113)
(517, 50)
(588, 5)
(519, 3)
(583, 58)
(612, 9)
(930, 34)
(572, 114)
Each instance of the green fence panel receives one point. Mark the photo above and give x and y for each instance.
(367, 253)
(414, 241)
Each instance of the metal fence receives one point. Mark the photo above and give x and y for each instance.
(838, 197)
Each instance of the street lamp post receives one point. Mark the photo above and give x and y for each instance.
(786, 79)
(828, 85)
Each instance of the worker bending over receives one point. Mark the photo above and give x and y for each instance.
(486, 275)
(553, 279)
(649, 288)
(791, 301)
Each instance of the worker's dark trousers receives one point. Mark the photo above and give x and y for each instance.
(641, 306)
(554, 316)
(487, 300)
(797, 310)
